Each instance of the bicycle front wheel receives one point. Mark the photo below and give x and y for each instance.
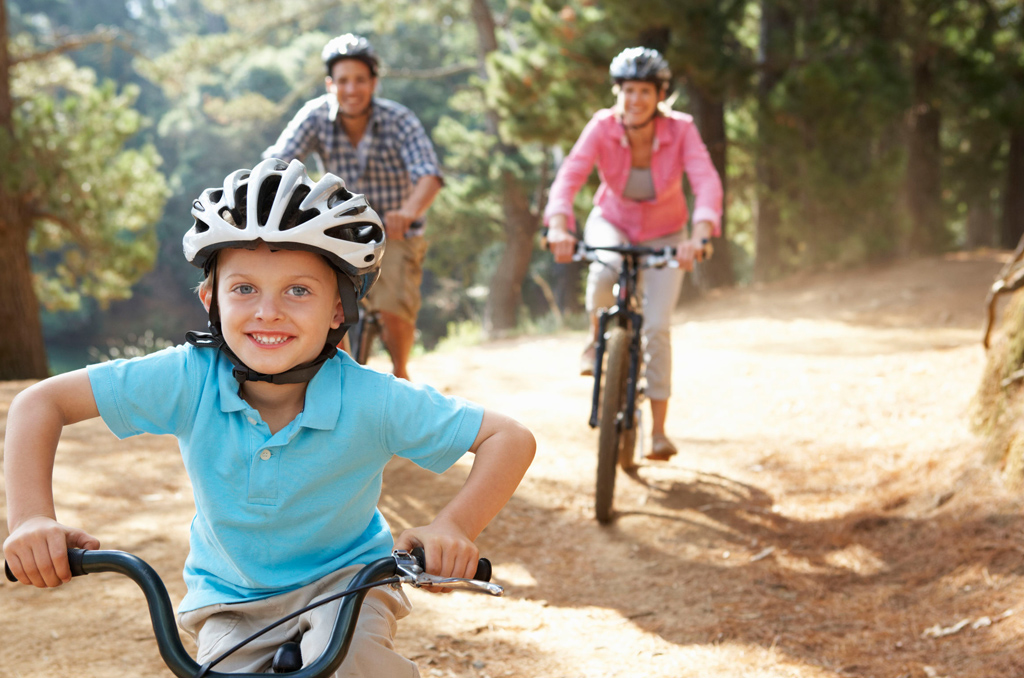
(610, 429)
(362, 342)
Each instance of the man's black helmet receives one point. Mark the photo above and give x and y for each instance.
(642, 64)
(350, 46)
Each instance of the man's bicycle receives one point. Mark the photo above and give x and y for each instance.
(365, 334)
(401, 567)
(619, 367)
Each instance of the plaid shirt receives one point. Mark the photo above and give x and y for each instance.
(394, 153)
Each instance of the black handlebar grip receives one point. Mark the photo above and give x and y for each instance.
(74, 561)
(75, 557)
(483, 570)
(483, 566)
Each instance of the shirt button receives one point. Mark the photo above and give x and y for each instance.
(265, 454)
(252, 420)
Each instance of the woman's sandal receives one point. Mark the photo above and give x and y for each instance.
(587, 360)
(662, 448)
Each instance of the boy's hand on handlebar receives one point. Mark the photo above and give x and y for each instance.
(449, 552)
(37, 551)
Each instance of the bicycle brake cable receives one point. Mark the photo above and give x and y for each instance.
(205, 668)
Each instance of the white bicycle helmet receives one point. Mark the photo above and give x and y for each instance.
(349, 46)
(276, 203)
(643, 64)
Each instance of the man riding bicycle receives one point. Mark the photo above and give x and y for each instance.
(381, 150)
(641, 148)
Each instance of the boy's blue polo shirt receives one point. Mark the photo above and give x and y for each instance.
(276, 512)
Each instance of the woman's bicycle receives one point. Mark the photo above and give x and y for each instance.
(619, 367)
(401, 567)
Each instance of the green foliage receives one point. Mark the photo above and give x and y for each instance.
(840, 179)
(93, 203)
(547, 90)
(221, 78)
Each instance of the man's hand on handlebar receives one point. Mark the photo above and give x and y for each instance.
(397, 223)
(36, 551)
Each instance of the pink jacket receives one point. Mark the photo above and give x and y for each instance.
(677, 148)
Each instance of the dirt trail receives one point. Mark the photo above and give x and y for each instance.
(830, 513)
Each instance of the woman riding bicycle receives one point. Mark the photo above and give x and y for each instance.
(641, 148)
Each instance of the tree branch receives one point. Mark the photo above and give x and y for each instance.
(104, 35)
(70, 227)
(429, 73)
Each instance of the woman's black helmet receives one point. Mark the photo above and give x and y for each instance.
(642, 64)
(349, 46)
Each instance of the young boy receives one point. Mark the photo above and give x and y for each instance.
(283, 438)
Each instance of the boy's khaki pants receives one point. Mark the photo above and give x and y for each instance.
(217, 628)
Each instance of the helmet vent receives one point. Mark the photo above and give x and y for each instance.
(339, 196)
(265, 200)
(292, 217)
(364, 234)
(229, 216)
(201, 226)
(353, 211)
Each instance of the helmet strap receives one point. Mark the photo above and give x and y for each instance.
(645, 123)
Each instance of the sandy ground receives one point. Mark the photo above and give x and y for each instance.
(831, 514)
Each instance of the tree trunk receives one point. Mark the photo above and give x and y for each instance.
(1013, 194)
(924, 187)
(777, 49)
(981, 223)
(709, 111)
(501, 313)
(22, 352)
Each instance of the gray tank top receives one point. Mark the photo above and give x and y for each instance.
(640, 185)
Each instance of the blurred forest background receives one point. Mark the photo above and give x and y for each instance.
(846, 132)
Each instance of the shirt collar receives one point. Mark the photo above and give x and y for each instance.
(227, 385)
(323, 395)
(662, 134)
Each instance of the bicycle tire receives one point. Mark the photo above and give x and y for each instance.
(609, 437)
(627, 444)
(368, 332)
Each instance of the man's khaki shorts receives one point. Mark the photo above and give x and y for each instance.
(397, 290)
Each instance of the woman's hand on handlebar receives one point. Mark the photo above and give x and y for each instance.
(449, 551)
(561, 241)
(690, 251)
(37, 551)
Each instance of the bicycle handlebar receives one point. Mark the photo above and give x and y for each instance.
(656, 257)
(401, 567)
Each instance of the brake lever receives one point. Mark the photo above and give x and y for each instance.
(410, 572)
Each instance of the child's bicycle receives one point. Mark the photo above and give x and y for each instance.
(615, 405)
(400, 568)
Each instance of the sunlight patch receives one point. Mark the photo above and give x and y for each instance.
(515, 574)
(857, 559)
